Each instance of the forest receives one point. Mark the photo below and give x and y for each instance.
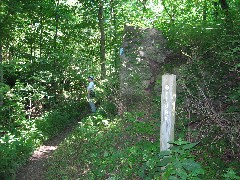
(49, 48)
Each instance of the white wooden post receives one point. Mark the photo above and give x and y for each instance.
(168, 100)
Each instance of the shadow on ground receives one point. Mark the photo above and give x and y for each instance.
(36, 167)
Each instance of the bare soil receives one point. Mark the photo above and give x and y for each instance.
(37, 165)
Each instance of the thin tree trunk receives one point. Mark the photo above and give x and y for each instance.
(224, 4)
(55, 83)
(41, 32)
(31, 47)
(1, 73)
(205, 11)
(114, 38)
(56, 33)
(102, 40)
(167, 11)
(228, 18)
(33, 42)
(57, 24)
(225, 8)
(215, 10)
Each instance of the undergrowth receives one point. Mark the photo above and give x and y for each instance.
(121, 148)
(16, 146)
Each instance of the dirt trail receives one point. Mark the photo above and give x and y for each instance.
(36, 167)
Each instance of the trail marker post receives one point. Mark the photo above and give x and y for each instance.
(168, 100)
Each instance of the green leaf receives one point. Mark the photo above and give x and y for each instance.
(105, 154)
(179, 142)
(190, 165)
(182, 173)
(150, 163)
(230, 174)
(174, 148)
(173, 178)
(164, 153)
(177, 164)
(165, 161)
(189, 146)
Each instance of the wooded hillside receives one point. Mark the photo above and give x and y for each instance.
(48, 48)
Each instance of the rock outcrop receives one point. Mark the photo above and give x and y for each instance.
(143, 53)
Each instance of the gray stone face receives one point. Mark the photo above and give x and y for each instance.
(144, 52)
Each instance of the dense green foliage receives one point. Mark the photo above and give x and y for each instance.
(49, 47)
(127, 148)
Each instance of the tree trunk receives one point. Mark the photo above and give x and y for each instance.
(171, 16)
(57, 24)
(215, 4)
(228, 19)
(102, 40)
(1, 73)
(41, 32)
(205, 11)
(31, 46)
(225, 8)
(115, 39)
(224, 4)
(114, 48)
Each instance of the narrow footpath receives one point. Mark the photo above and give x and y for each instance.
(36, 167)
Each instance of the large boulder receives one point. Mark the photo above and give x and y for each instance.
(143, 53)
